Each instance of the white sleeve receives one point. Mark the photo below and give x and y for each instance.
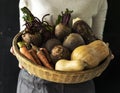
(99, 19)
(22, 3)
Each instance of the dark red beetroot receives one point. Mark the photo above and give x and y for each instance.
(81, 27)
(59, 52)
(51, 43)
(62, 28)
(36, 31)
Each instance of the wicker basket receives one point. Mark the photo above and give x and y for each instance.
(58, 76)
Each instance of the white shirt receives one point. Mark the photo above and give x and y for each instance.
(91, 11)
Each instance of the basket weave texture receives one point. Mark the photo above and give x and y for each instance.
(58, 76)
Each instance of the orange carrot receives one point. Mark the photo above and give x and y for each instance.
(34, 55)
(25, 51)
(42, 56)
(44, 50)
(43, 59)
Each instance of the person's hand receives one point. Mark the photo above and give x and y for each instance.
(112, 56)
(12, 51)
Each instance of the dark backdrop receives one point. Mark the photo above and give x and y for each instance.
(9, 26)
(108, 82)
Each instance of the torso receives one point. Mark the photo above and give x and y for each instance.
(81, 8)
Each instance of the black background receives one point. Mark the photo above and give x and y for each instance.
(108, 82)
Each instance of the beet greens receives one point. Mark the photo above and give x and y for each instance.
(64, 18)
(33, 24)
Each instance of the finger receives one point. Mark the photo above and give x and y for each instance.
(112, 56)
(20, 66)
(12, 50)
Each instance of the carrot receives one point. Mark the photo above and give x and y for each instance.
(42, 56)
(34, 55)
(47, 54)
(43, 59)
(25, 51)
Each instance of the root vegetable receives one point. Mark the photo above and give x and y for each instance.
(25, 51)
(73, 40)
(42, 56)
(35, 38)
(34, 55)
(61, 31)
(43, 59)
(35, 29)
(44, 50)
(62, 28)
(59, 52)
(81, 27)
(51, 43)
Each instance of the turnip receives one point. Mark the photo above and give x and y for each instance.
(62, 28)
(73, 40)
